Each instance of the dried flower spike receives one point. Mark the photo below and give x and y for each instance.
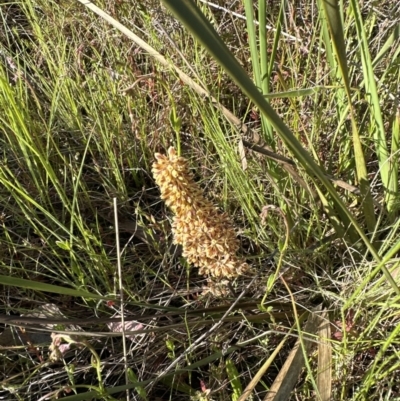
(206, 235)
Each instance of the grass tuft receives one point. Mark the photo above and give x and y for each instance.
(288, 118)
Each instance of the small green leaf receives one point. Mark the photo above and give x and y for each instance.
(233, 376)
(270, 282)
(133, 379)
(170, 345)
(175, 121)
(63, 245)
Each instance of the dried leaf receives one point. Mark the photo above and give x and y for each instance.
(131, 325)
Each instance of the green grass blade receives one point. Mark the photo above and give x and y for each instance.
(296, 92)
(376, 121)
(259, 58)
(393, 199)
(391, 40)
(262, 20)
(278, 31)
(334, 20)
(251, 31)
(37, 286)
(234, 379)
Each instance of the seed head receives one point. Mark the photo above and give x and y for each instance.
(207, 236)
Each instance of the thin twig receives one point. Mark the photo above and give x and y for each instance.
(121, 293)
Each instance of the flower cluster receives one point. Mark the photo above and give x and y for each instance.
(206, 235)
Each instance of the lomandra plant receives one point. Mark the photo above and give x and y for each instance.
(341, 217)
(206, 235)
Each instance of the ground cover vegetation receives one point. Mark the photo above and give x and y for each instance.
(287, 117)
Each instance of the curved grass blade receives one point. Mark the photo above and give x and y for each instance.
(392, 40)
